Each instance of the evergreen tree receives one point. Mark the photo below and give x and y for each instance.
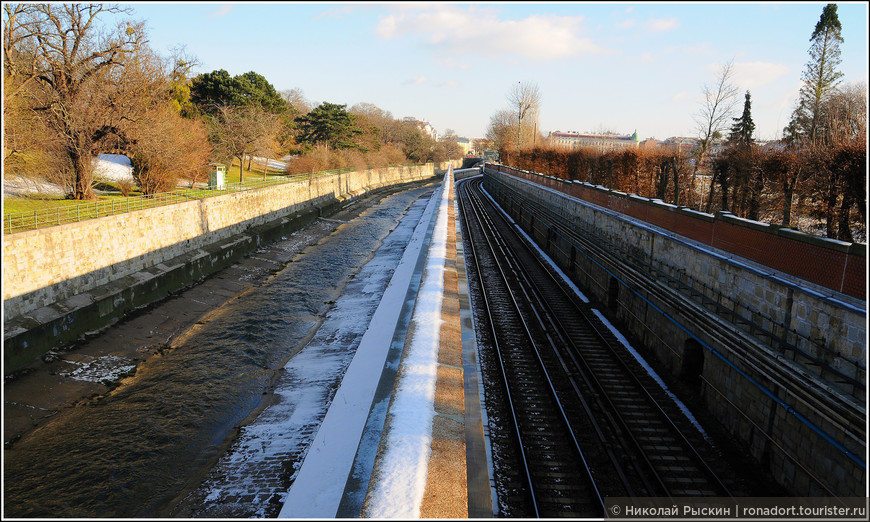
(211, 91)
(256, 90)
(329, 123)
(820, 78)
(744, 127)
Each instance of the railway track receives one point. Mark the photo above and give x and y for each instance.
(582, 420)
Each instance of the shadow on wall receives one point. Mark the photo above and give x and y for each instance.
(28, 337)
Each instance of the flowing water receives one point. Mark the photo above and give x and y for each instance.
(130, 453)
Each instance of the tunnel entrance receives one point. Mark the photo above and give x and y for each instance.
(693, 361)
(612, 294)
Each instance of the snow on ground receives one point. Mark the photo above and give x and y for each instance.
(274, 164)
(400, 479)
(113, 167)
(19, 186)
(97, 369)
(320, 483)
(107, 167)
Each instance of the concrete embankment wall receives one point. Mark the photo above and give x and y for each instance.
(807, 428)
(61, 282)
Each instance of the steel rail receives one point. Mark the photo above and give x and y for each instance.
(591, 325)
(476, 212)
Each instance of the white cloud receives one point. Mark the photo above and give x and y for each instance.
(750, 75)
(419, 80)
(222, 11)
(460, 30)
(449, 83)
(680, 96)
(662, 24)
(342, 11)
(789, 99)
(627, 24)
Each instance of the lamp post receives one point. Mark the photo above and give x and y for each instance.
(519, 114)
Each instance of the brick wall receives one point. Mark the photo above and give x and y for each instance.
(833, 264)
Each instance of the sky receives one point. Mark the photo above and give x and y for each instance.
(617, 67)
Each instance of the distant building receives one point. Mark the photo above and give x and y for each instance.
(465, 146)
(771, 145)
(716, 147)
(687, 145)
(649, 143)
(599, 142)
(424, 126)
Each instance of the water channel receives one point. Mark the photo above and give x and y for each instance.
(136, 450)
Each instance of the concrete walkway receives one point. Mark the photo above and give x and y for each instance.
(458, 479)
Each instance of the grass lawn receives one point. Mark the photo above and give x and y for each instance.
(34, 202)
(31, 202)
(34, 210)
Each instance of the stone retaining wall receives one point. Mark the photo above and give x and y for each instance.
(60, 282)
(808, 431)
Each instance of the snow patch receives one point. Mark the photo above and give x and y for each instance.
(113, 167)
(107, 167)
(99, 369)
(319, 484)
(402, 469)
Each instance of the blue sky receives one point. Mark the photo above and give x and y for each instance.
(617, 67)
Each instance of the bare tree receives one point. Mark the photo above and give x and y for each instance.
(500, 125)
(21, 24)
(296, 99)
(481, 144)
(169, 148)
(714, 116)
(845, 113)
(840, 180)
(75, 72)
(239, 131)
(450, 145)
(27, 149)
(525, 100)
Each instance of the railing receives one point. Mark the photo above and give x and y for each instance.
(46, 217)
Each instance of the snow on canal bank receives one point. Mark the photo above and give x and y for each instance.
(400, 479)
(319, 395)
(318, 488)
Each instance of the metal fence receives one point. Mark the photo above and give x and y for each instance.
(46, 217)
